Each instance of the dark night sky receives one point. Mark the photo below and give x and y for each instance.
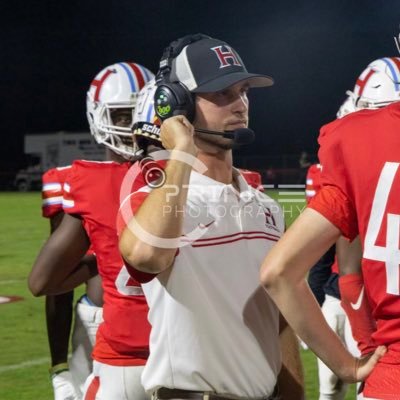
(51, 50)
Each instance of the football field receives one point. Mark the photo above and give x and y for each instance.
(24, 355)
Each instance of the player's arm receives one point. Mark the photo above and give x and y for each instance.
(349, 255)
(58, 317)
(290, 378)
(320, 273)
(283, 276)
(61, 265)
(160, 216)
(353, 298)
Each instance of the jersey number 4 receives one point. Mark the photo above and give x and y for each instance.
(390, 254)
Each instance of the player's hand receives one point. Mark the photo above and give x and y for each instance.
(178, 133)
(365, 365)
(63, 387)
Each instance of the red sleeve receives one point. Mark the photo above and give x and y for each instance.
(52, 191)
(333, 204)
(72, 188)
(355, 303)
(77, 187)
(336, 165)
(313, 181)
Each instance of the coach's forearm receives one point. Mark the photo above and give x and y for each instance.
(151, 238)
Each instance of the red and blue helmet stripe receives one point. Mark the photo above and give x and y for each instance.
(137, 75)
(393, 64)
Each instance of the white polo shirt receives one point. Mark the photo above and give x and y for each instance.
(213, 327)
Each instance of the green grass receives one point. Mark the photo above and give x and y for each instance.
(22, 332)
(23, 336)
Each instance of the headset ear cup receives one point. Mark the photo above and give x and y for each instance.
(164, 101)
(174, 99)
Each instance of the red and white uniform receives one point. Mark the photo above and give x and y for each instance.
(329, 385)
(87, 317)
(92, 192)
(360, 155)
(52, 190)
(313, 186)
(313, 181)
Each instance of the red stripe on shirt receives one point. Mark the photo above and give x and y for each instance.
(239, 233)
(234, 240)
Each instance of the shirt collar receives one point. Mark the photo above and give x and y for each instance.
(203, 184)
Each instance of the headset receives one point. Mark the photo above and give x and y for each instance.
(174, 98)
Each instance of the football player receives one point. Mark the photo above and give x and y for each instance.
(374, 88)
(88, 312)
(359, 156)
(90, 203)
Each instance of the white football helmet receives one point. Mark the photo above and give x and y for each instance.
(115, 87)
(376, 87)
(146, 124)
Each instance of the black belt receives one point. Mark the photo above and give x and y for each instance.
(164, 393)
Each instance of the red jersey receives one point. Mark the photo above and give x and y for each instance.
(52, 190)
(313, 186)
(360, 155)
(92, 192)
(313, 181)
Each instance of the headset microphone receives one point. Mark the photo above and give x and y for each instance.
(240, 136)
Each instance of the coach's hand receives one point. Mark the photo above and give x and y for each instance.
(177, 133)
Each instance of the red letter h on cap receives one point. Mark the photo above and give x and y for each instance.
(224, 56)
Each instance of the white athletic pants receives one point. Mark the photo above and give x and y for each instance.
(87, 321)
(108, 382)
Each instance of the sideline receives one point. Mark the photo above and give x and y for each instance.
(12, 281)
(31, 363)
